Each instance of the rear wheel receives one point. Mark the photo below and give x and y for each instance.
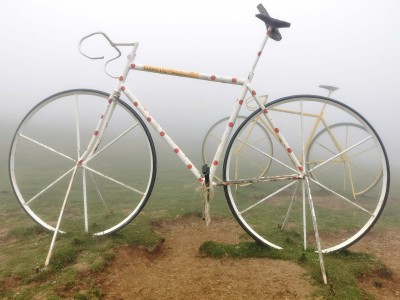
(275, 210)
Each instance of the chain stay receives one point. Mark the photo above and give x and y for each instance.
(260, 179)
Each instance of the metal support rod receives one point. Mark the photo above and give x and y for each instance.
(314, 221)
(60, 218)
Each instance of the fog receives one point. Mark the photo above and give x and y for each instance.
(354, 45)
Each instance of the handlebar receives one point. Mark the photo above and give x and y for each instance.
(112, 44)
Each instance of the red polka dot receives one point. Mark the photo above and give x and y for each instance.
(149, 119)
(300, 169)
(189, 166)
(215, 162)
(176, 150)
(121, 78)
(289, 150)
(80, 162)
(109, 101)
(241, 101)
(102, 116)
(234, 80)
(265, 111)
(213, 77)
(253, 93)
(162, 133)
(135, 103)
(201, 179)
(259, 53)
(122, 88)
(133, 66)
(96, 133)
(230, 124)
(276, 130)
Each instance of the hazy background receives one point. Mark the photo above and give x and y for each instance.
(354, 45)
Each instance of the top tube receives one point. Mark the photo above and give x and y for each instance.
(195, 75)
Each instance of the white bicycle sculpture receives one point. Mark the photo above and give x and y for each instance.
(95, 166)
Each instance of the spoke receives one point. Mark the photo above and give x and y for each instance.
(347, 166)
(294, 197)
(341, 196)
(49, 186)
(99, 193)
(113, 141)
(333, 164)
(341, 153)
(361, 152)
(60, 218)
(315, 225)
(218, 138)
(269, 156)
(114, 180)
(303, 191)
(46, 147)
(266, 198)
(78, 136)
(326, 148)
(250, 161)
(303, 149)
(85, 211)
(256, 141)
(365, 171)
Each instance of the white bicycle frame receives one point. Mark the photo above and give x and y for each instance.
(121, 87)
(205, 180)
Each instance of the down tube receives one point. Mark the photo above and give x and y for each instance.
(227, 132)
(162, 133)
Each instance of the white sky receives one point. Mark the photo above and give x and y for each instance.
(351, 44)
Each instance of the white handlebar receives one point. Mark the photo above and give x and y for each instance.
(112, 44)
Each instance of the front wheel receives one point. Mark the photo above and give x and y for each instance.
(108, 190)
(277, 209)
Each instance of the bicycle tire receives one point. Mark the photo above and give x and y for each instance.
(126, 155)
(261, 207)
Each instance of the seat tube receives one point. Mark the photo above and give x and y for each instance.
(260, 51)
(235, 112)
(227, 133)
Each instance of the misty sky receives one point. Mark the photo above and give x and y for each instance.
(354, 45)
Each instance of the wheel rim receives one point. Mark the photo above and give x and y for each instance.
(342, 220)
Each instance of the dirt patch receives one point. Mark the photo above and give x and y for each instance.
(179, 272)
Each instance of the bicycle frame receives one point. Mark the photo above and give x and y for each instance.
(244, 82)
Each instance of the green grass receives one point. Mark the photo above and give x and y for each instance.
(343, 267)
(77, 256)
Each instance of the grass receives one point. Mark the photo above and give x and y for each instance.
(344, 268)
(77, 255)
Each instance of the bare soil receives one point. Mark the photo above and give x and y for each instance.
(177, 270)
